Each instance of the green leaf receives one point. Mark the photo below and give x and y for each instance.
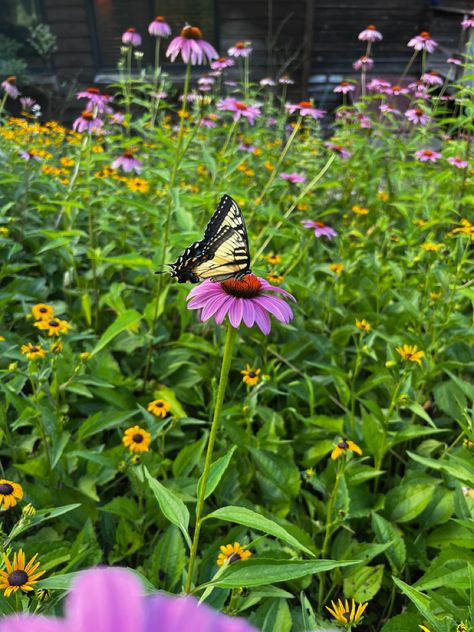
(216, 472)
(189, 456)
(127, 320)
(362, 584)
(387, 532)
(406, 502)
(421, 601)
(103, 421)
(278, 617)
(261, 571)
(172, 507)
(168, 558)
(257, 522)
(40, 516)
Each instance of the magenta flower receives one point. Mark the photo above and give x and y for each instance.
(128, 162)
(87, 122)
(395, 90)
(427, 155)
(423, 41)
(344, 87)
(251, 149)
(222, 63)
(305, 108)
(113, 600)
(240, 49)
(285, 80)
(419, 89)
(387, 108)
(294, 178)
(457, 162)
(246, 300)
(159, 27)
(239, 109)
(27, 103)
(454, 60)
(417, 116)
(267, 82)
(26, 155)
(339, 149)
(363, 63)
(95, 100)
(378, 85)
(207, 81)
(468, 23)
(370, 34)
(117, 118)
(192, 47)
(432, 78)
(209, 121)
(131, 37)
(9, 86)
(320, 229)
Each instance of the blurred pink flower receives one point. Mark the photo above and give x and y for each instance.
(209, 121)
(192, 47)
(344, 87)
(159, 27)
(95, 100)
(294, 177)
(423, 41)
(114, 600)
(285, 80)
(468, 23)
(378, 85)
(320, 229)
(432, 78)
(363, 63)
(240, 49)
(454, 60)
(9, 86)
(417, 115)
(370, 34)
(387, 108)
(457, 162)
(305, 108)
(246, 300)
(395, 90)
(239, 109)
(427, 155)
(87, 122)
(339, 149)
(127, 162)
(131, 37)
(222, 63)
(267, 82)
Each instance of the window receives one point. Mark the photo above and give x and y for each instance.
(113, 17)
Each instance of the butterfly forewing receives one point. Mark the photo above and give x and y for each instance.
(223, 253)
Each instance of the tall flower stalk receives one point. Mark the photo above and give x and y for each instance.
(226, 361)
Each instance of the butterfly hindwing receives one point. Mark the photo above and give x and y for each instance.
(223, 253)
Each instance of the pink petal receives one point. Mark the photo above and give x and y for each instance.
(276, 306)
(23, 623)
(262, 319)
(221, 313)
(211, 306)
(236, 311)
(249, 313)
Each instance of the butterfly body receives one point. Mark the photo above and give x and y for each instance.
(223, 252)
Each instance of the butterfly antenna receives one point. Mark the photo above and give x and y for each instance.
(162, 271)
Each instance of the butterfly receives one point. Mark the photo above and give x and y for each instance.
(223, 252)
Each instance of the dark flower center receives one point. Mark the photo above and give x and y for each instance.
(320, 225)
(418, 112)
(343, 445)
(17, 578)
(252, 374)
(34, 349)
(53, 323)
(131, 30)
(93, 90)
(248, 287)
(235, 557)
(159, 18)
(159, 404)
(425, 35)
(191, 32)
(222, 59)
(87, 115)
(43, 310)
(305, 104)
(240, 106)
(128, 154)
(240, 45)
(11, 79)
(344, 83)
(137, 438)
(6, 489)
(428, 152)
(396, 88)
(371, 27)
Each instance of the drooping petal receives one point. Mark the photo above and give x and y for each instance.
(222, 311)
(106, 600)
(211, 306)
(249, 313)
(276, 306)
(262, 319)
(236, 312)
(29, 623)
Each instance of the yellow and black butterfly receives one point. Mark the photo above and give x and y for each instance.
(223, 252)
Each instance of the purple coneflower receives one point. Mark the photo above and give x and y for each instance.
(87, 122)
(9, 86)
(239, 109)
(26, 155)
(209, 121)
(205, 80)
(117, 118)
(251, 149)
(320, 229)
(417, 115)
(285, 80)
(159, 27)
(192, 47)
(271, 121)
(387, 108)
(96, 100)
(222, 63)
(115, 600)
(27, 103)
(246, 300)
(454, 60)
(419, 89)
(432, 78)
(395, 90)
(468, 23)
(267, 82)
(131, 38)
(423, 41)
(363, 63)
(294, 177)
(370, 34)
(427, 155)
(378, 85)
(128, 162)
(240, 49)
(457, 162)
(344, 87)
(305, 108)
(339, 149)
(364, 121)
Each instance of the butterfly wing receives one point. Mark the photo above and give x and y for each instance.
(223, 253)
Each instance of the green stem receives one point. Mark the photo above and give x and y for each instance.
(226, 360)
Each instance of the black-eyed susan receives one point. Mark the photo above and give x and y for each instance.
(54, 326)
(467, 443)
(435, 296)
(275, 278)
(33, 351)
(138, 185)
(345, 446)
(251, 376)
(159, 408)
(429, 246)
(41, 311)
(273, 259)
(10, 493)
(56, 347)
(382, 196)
(19, 575)
(231, 553)
(360, 210)
(348, 615)
(136, 439)
(337, 268)
(363, 325)
(410, 353)
(4, 231)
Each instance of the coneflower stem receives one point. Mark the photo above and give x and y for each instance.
(225, 367)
